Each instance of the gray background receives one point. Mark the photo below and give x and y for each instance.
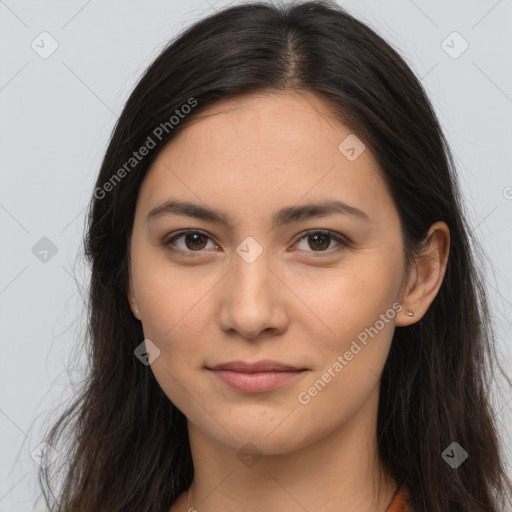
(58, 112)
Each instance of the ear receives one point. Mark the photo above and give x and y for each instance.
(426, 276)
(131, 297)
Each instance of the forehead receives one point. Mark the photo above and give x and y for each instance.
(275, 120)
(265, 149)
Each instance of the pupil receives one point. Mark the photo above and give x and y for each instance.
(325, 237)
(196, 240)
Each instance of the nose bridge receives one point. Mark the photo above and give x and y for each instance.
(251, 276)
(251, 299)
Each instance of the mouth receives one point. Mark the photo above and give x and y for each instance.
(266, 365)
(256, 377)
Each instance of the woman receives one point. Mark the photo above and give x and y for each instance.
(285, 311)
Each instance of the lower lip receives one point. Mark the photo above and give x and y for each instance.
(257, 381)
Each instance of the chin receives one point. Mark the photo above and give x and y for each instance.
(259, 435)
(259, 443)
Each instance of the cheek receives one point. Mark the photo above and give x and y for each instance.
(359, 308)
(180, 339)
(353, 297)
(353, 359)
(178, 322)
(173, 306)
(173, 299)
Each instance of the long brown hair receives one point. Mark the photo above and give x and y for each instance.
(127, 444)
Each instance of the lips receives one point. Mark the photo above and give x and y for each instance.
(256, 377)
(259, 366)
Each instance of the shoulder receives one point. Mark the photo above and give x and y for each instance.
(401, 501)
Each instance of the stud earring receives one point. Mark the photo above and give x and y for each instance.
(136, 310)
(410, 312)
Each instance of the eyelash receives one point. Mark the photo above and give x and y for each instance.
(343, 243)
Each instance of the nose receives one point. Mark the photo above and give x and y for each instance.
(253, 300)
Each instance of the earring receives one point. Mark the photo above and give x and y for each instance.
(410, 312)
(136, 310)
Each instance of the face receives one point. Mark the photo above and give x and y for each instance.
(270, 279)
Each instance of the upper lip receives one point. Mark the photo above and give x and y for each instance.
(259, 366)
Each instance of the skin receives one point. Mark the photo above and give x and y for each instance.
(249, 157)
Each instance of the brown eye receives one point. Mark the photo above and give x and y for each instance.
(320, 241)
(191, 241)
(194, 241)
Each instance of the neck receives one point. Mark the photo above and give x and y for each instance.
(340, 471)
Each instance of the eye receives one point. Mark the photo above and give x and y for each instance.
(320, 240)
(193, 242)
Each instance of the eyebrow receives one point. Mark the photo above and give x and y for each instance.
(282, 217)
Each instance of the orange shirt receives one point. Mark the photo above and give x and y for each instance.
(400, 502)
